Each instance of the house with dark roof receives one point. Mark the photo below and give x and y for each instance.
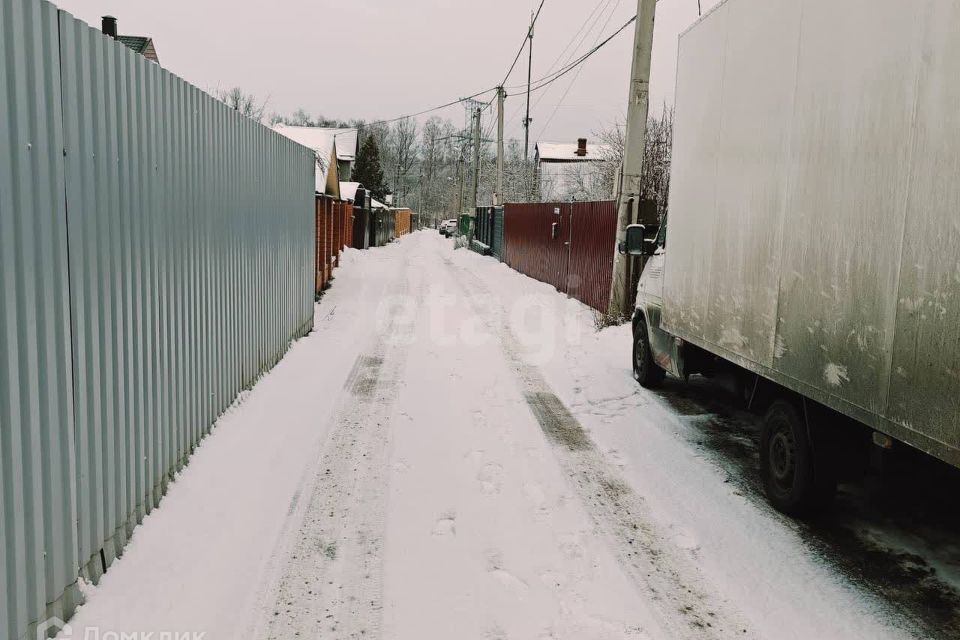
(139, 44)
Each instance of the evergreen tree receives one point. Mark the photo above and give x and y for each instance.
(367, 170)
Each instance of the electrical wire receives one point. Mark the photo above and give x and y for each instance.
(479, 93)
(557, 75)
(430, 110)
(596, 20)
(592, 19)
(551, 78)
(540, 83)
(526, 38)
(575, 78)
(579, 31)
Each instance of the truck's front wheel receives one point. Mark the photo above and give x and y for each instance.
(793, 482)
(645, 370)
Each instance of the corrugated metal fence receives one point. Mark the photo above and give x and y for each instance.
(38, 537)
(155, 258)
(488, 229)
(566, 244)
(497, 233)
(482, 230)
(593, 239)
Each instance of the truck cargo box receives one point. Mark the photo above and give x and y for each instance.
(814, 221)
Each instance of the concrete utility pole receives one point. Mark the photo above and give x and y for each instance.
(476, 171)
(628, 196)
(460, 179)
(526, 120)
(421, 192)
(476, 157)
(470, 108)
(498, 196)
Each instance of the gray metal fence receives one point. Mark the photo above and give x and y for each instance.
(496, 247)
(156, 255)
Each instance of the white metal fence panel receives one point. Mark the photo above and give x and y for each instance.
(189, 231)
(38, 550)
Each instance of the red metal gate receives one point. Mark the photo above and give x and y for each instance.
(566, 244)
(536, 240)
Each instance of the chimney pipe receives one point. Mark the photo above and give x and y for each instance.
(581, 146)
(109, 26)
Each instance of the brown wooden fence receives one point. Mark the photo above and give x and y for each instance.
(334, 225)
(569, 245)
(403, 219)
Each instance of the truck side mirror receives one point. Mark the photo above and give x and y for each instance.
(639, 242)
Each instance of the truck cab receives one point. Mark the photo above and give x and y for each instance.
(655, 352)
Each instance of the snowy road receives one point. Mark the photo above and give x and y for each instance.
(456, 452)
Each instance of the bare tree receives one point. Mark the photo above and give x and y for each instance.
(613, 141)
(246, 103)
(300, 118)
(655, 183)
(438, 168)
(402, 151)
(520, 180)
(586, 181)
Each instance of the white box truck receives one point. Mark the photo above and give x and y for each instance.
(813, 236)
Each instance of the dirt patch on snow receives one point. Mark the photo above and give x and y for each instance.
(557, 422)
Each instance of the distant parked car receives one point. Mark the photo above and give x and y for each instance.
(448, 228)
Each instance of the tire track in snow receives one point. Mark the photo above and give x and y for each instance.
(685, 604)
(328, 581)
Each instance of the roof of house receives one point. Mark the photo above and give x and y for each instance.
(348, 190)
(137, 43)
(567, 151)
(320, 138)
(327, 176)
(325, 147)
(140, 44)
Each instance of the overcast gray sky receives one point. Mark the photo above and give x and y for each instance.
(376, 59)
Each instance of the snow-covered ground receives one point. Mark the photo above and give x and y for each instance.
(457, 452)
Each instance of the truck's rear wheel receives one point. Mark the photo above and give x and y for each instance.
(795, 484)
(645, 370)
